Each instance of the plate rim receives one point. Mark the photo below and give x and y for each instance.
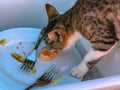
(29, 29)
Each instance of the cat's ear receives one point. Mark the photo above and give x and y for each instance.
(55, 35)
(51, 11)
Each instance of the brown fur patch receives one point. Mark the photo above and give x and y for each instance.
(97, 21)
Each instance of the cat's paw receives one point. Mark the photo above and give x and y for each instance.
(79, 71)
(76, 72)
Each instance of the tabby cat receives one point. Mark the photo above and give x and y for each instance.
(96, 20)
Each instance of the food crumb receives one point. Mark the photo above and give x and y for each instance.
(20, 81)
(13, 68)
(18, 57)
(8, 47)
(10, 75)
(53, 82)
(24, 53)
(20, 42)
(34, 70)
(17, 47)
(33, 43)
(47, 54)
(3, 41)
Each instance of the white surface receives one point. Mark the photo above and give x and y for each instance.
(110, 64)
(109, 83)
(28, 13)
(10, 74)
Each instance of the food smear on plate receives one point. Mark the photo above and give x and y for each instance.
(55, 81)
(3, 41)
(47, 54)
(8, 47)
(18, 57)
(10, 75)
(24, 53)
(34, 70)
(21, 42)
(33, 43)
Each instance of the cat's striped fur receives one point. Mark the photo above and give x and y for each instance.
(93, 20)
(96, 20)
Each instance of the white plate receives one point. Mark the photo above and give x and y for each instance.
(21, 41)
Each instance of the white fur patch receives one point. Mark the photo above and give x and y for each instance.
(80, 70)
(72, 40)
(95, 55)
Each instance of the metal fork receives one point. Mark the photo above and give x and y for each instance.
(46, 78)
(30, 60)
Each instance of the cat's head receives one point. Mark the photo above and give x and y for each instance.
(57, 34)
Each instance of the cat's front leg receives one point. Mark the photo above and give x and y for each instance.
(88, 62)
(80, 70)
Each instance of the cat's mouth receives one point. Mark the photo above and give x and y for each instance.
(50, 49)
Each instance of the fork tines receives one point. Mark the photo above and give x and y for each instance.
(50, 73)
(28, 65)
(46, 78)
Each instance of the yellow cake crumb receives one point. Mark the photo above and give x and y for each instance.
(18, 57)
(3, 41)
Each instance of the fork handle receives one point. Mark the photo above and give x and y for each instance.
(28, 88)
(37, 83)
(40, 38)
